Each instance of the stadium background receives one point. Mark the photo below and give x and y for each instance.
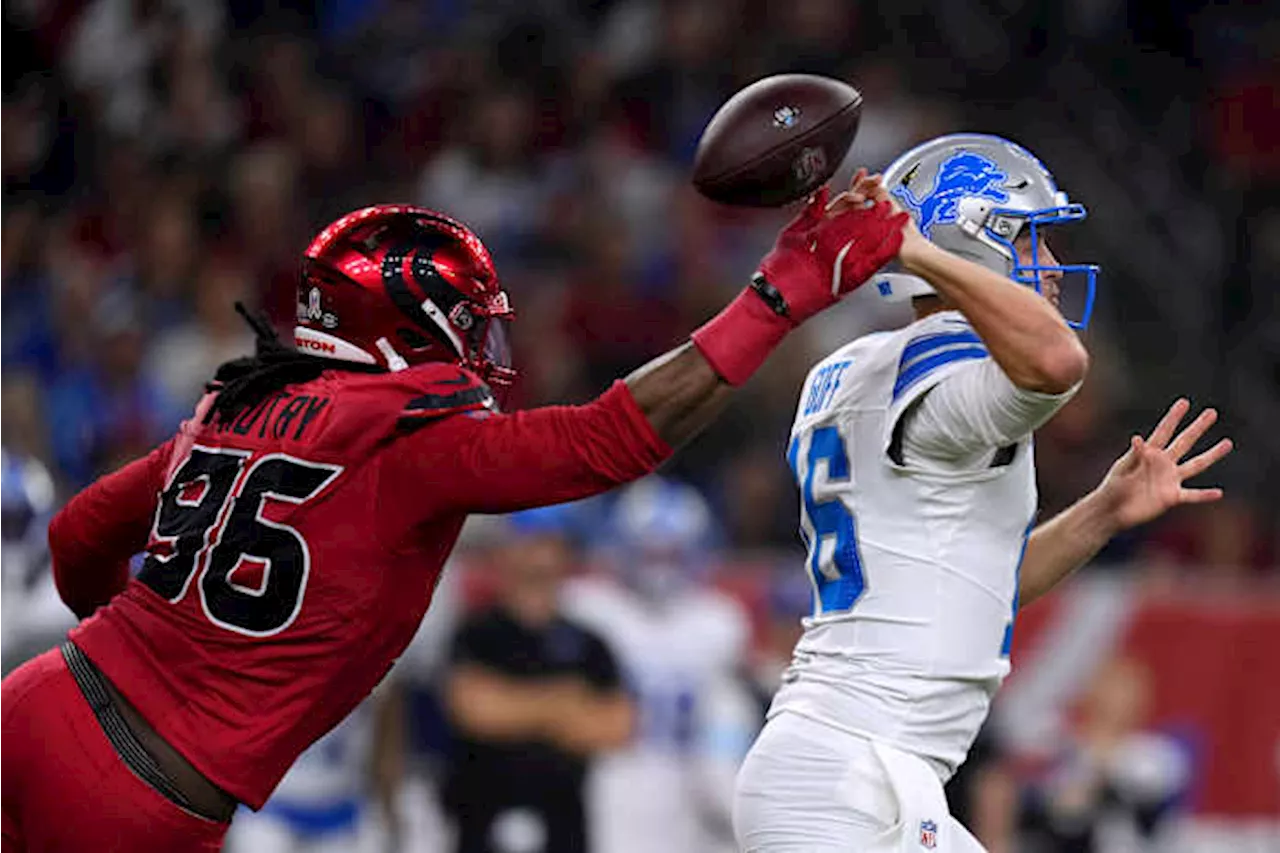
(163, 158)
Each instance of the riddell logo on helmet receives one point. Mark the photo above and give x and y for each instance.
(318, 346)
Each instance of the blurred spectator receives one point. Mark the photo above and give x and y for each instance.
(814, 36)
(166, 259)
(983, 794)
(34, 618)
(117, 46)
(30, 340)
(532, 695)
(666, 104)
(23, 425)
(106, 412)
(683, 649)
(163, 158)
(615, 326)
(1113, 787)
(493, 182)
(268, 227)
(1228, 542)
(185, 357)
(755, 489)
(788, 600)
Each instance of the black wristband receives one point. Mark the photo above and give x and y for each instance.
(771, 295)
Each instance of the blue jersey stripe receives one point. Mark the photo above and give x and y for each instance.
(925, 366)
(928, 343)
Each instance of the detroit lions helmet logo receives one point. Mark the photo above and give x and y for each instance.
(962, 175)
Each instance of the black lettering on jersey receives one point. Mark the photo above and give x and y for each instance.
(185, 516)
(248, 536)
(212, 521)
(295, 407)
(315, 405)
(271, 408)
(248, 418)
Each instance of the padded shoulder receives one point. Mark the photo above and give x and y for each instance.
(383, 406)
(442, 390)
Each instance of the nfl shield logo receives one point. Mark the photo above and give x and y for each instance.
(928, 834)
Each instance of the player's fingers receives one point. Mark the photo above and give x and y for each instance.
(1164, 429)
(857, 177)
(1187, 439)
(873, 188)
(1199, 496)
(1200, 463)
(840, 203)
(1133, 454)
(815, 208)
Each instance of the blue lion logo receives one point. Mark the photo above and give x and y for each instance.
(964, 174)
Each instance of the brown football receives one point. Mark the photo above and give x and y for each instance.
(777, 140)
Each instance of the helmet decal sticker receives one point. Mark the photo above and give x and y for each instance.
(961, 175)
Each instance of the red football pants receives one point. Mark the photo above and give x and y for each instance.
(63, 786)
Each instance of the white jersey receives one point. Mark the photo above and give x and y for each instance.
(916, 511)
(671, 788)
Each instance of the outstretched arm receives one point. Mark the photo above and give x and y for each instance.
(823, 254)
(679, 394)
(1143, 484)
(93, 537)
(500, 463)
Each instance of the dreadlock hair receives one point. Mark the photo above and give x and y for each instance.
(243, 383)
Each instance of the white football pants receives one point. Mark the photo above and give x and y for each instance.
(808, 788)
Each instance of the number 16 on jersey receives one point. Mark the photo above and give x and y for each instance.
(827, 527)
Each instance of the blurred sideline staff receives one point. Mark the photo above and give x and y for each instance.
(532, 696)
(683, 647)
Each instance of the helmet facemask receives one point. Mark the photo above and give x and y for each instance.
(999, 228)
(974, 195)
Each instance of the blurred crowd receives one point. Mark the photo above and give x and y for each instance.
(166, 158)
(163, 159)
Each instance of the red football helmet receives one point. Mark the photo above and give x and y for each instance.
(397, 285)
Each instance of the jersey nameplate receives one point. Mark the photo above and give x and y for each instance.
(825, 384)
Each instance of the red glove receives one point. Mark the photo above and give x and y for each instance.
(817, 259)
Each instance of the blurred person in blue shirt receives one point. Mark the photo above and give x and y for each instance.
(107, 410)
(28, 332)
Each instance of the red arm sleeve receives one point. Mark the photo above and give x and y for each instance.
(493, 463)
(92, 538)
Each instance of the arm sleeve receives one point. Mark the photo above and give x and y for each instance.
(92, 538)
(494, 463)
(974, 409)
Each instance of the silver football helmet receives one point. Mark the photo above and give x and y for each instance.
(973, 194)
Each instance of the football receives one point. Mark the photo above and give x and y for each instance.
(777, 140)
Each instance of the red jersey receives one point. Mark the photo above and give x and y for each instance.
(291, 553)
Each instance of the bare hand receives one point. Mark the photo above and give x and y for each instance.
(1148, 480)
